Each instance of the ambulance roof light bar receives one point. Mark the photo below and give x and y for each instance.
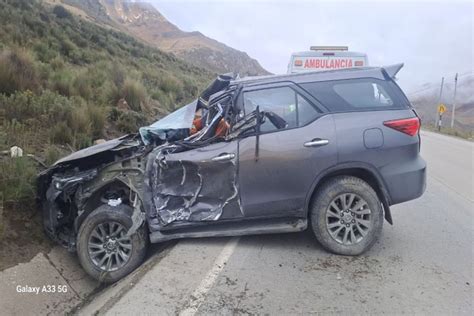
(339, 48)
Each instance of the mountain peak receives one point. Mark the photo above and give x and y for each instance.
(143, 21)
(132, 11)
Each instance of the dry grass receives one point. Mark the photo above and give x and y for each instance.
(450, 131)
(134, 93)
(17, 71)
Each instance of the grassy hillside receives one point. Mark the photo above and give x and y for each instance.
(65, 82)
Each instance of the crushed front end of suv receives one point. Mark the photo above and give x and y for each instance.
(249, 156)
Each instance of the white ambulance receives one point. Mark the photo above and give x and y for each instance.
(321, 58)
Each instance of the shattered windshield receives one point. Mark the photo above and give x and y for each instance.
(179, 119)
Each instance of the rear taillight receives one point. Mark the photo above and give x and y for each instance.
(409, 126)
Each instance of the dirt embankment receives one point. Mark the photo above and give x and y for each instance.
(21, 233)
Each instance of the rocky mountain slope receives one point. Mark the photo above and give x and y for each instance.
(142, 20)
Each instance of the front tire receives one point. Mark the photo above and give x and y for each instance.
(105, 251)
(346, 216)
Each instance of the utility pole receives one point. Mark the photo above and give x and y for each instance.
(454, 99)
(438, 115)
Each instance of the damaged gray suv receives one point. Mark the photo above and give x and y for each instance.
(329, 150)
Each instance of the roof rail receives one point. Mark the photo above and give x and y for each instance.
(392, 70)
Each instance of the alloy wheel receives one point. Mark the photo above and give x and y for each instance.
(109, 246)
(348, 218)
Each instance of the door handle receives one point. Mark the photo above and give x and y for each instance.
(223, 157)
(316, 142)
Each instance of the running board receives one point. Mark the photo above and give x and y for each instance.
(253, 227)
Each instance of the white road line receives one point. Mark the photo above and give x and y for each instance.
(199, 294)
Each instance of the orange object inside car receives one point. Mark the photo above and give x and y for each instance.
(222, 128)
(197, 125)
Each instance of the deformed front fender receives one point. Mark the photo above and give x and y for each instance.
(115, 176)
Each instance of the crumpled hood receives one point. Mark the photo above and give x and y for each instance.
(92, 150)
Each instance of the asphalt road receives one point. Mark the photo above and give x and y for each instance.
(422, 264)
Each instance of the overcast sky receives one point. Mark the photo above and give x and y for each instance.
(433, 39)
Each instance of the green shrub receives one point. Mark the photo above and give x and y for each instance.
(22, 4)
(17, 72)
(134, 93)
(78, 120)
(61, 82)
(170, 84)
(19, 106)
(82, 86)
(61, 12)
(46, 108)
(77, 57)
(190, 88)
(57, 63)
(44, 52)
(82, 140)
(17, 179)
(110, 94)
(97, 118)
(164, 99)
(97, 75)
(14, 133)
(114, 114)
(67, 120)
(51, 154)
(61, 134)
(117, 74)
(67, 47)
(130, 121)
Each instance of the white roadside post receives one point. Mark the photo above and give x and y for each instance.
(454, 100)
(438, 117)
(441, 110)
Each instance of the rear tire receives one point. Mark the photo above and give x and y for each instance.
(346, 216)
(104, 250)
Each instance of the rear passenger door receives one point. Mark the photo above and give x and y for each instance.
(276, 182)
(360, 106)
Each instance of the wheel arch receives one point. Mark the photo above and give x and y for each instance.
(362, 171)
(93, 201)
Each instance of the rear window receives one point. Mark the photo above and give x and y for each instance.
(356, 94)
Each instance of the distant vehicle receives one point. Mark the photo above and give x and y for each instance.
(321, 58)
(328, 150)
